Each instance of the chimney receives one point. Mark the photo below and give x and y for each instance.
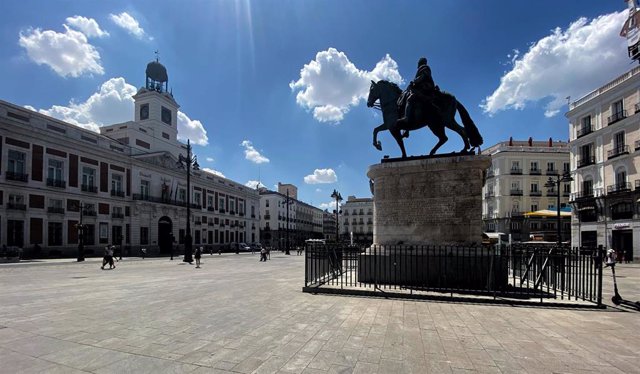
(530, 141)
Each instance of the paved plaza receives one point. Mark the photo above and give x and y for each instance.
(238, 315)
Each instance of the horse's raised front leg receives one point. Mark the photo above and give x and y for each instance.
(376, 143)
(398, 137)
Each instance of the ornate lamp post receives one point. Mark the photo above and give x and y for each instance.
(551, 184)
(191, 163)
(286, 204)
(80, 228)
(336, 195)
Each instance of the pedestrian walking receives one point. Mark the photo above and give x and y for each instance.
(108, 258)
(144, 252)
(263, 254)
(197, 254)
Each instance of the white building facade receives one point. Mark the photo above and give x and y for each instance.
(124, 184)
(357, 220)
(515, 185)
(605, 144)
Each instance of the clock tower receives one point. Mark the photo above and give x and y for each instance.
(155, 108)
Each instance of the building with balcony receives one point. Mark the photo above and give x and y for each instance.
(357, 220)
(604, 130)
(515, 184)
(286, 219)
(124, 183)
(329, 226)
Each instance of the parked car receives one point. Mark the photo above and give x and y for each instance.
(256, 247)
(244, 247)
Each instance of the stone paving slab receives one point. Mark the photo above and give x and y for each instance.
(238, 315)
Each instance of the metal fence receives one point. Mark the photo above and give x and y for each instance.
(518, 273)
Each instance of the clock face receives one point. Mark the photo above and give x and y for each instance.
(166, 116)
(144, 111)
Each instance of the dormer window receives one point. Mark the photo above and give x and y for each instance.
(144, 111)
(166, 116)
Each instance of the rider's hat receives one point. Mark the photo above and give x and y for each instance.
(422, 61)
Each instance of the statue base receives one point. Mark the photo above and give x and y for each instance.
(428, 201)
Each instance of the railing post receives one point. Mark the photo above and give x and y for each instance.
(599, 270)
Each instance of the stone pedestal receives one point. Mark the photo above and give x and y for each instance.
(431, 201)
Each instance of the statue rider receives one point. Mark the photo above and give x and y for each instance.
(422, 90)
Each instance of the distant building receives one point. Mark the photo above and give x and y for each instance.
(123, 183)
(515, 185)
(605, 140)
(285, 219)
(286, 188)
(357, 220)
(329, 226)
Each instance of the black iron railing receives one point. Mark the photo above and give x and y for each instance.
(535, 193)
(88, 188)
(18, 177)
(552, 172)
(118, 193)
(518, 273)
(585, 131)
(16, 206)
(515, 171)
(89, 213)
(117, 215)
(618, 151)
(59, 183)
(586, 161)
(617, 116)
(535, 172)
(55, 210)
(619, 187)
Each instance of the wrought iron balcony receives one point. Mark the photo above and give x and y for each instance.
(197, 222)
(516, 214)
(89, 188)
(619, 188)
(118, 193)
(535, 193)
(241, 214)
(618, 151)
(55, 210)
(89, 213)
(222, 210)
(232, 212)
(18, 177)
(552, 172)
(489, 194)
(515, 171)
(586, 161)
(210, 209)
(535, 172)
(516, 192)
(117, 215)
(253, 216)
(16, 206)
(267, 216)
(566, 193)
(617, 116)
(585, 130)
(58, 183)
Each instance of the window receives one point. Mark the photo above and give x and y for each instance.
(621, 177)
(145, 187)
(618, 142)
(89, 237)
(210, 201)
(535, 225)
(566, 167)
(551, 166)
(534, 207)
(617, 108)
(534, 187)
(116, 182)
(241, 208)
(88, 176)
(586, 123)
(267, 203)
(182, 195)
(104, 232)
(16, 199)
(15, 233)
(534, 165)
(567, 188)
(54, 171)
(55, 203)
(144, 235)
(196, 198)
(16, 162)
(166, 116)
(222, 205)
(55, 233)
(587, 187)
(515, 165)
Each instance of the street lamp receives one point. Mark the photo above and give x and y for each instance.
(551, 184)
(336, 195)
(191, 163)
(80, 228)
(286, 204)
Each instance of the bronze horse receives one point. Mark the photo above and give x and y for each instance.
(388, 94)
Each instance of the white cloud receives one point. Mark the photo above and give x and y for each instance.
(569, 62)
(252, 154)
(331, 206)
(321, 176)
(87, 26)
(214, 172)
(209, 159)
(331, 84)
(191, 129)
(68, 53)
(113, 103)
(127, 22)
(253, 184)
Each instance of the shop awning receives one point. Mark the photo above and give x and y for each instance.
(547, 213)
(493, 235)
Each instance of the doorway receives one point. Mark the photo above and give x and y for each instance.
(165, 236)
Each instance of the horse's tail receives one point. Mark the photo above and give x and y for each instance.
(475, 139)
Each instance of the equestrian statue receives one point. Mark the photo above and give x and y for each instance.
(421, 104)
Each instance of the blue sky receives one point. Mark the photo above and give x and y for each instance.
(273, 90)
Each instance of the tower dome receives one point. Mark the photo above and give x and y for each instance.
(157, 78)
